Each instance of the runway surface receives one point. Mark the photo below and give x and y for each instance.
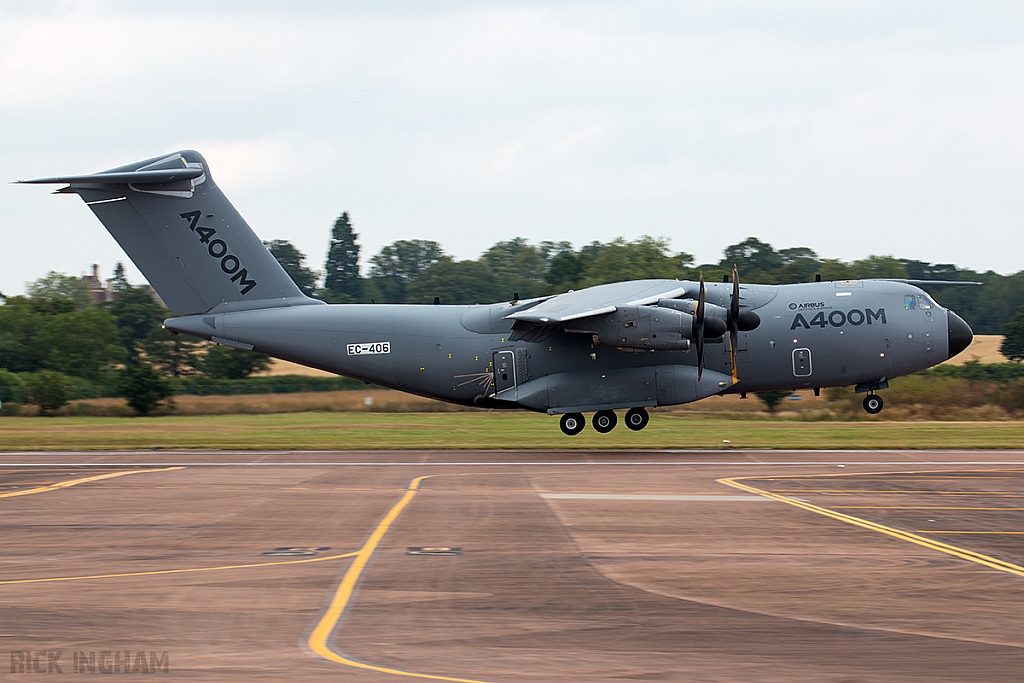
(517, 565)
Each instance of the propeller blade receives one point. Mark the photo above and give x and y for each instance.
(733, 322)
(734, 305)
(702, 296)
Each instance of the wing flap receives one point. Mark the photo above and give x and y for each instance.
(599, 300)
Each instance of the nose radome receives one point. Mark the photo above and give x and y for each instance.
(960, 334)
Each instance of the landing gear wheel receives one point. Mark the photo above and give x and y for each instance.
(572, 423)
(873, 404)
(637, 419)
(604, 421)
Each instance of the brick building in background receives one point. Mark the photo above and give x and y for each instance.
(102, 291)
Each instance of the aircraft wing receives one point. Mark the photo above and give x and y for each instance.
(599, 300)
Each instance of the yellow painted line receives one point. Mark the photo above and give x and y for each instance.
(74, 482)
(988, 533)
(176, 571)
(956, 551)
(915, 507)
(325, 627)
(939, 493)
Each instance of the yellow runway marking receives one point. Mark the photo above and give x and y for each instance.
(908, 491)
(990, 533)
(915, 507)
(176, 571)
(962, 553)
(322, 633)
(74, 482)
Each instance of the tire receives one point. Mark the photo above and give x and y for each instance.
(572, 423)
(873, 404)
(637, 419)
(605, 421)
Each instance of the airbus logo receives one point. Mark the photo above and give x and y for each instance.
(812, 305)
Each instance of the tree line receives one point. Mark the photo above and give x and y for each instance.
(417, 271)
(55, 336)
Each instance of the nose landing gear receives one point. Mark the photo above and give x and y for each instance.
(873, 404)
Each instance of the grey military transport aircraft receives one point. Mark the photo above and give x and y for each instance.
(621, 346)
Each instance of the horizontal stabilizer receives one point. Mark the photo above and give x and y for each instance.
(133, 177)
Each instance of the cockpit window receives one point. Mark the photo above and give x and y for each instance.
(923, 302)
(910, 301)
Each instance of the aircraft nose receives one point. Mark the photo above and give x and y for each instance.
(960, 334)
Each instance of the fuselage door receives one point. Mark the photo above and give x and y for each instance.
(504, 370)
(801, 362)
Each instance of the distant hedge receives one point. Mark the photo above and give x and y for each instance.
(982, 372)
(15, 387)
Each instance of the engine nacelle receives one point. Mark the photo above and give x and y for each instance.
(649, 328)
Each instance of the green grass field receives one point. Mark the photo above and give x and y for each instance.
(484, 430)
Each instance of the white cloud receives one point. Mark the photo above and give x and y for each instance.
(852, 128)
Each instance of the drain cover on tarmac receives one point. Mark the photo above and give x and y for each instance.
(433, 551)
(296, 551)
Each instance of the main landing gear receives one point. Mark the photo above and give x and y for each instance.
(873, 404)
(572, 423)
(604, 421)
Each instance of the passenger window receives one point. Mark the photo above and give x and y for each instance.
(924, 302)
(910, 301)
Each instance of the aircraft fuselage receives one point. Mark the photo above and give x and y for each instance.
(811, 335)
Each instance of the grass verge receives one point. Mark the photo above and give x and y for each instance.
(496, 430)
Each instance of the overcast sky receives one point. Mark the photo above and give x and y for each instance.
(853, 128)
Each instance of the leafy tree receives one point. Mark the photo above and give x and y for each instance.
(1013, 342)
(645, 257)
(143, 388)
(565, 267)
(9, 383)
(294, 263)
(456, 282)
(799, 264)
(48, 390)
(400, 263)
(120, 282)
(834, 269)
(177, 355)
(226, 362)
(878, 266)
(772, 399)
(342, 267)
(59, 293)
(516, 266)
(754, 259)
(138, 318)
(80, 343)
(20, 321)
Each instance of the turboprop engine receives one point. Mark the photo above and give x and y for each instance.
(651, 328)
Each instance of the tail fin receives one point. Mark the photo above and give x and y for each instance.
(184, 235)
